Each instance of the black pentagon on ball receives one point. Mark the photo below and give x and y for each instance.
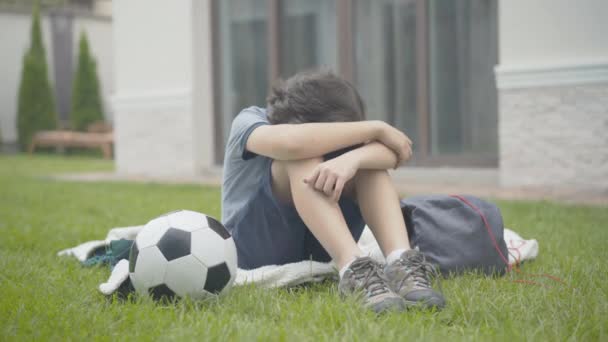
(218, 228)
(161, 292)
(175, 243)
(217, 278)
(133, 257)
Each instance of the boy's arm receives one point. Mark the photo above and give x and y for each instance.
(376, 156)
(331, 176)
(309, 140)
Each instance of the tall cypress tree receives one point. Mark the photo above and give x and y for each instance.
(36, 106)
(86, 100)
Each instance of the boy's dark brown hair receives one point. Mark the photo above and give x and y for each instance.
(314, 96)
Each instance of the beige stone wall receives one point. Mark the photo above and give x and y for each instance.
(554, 136)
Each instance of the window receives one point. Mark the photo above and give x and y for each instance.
(241, 60)
(308, 35)
(385, 61)
(463, 99)
(425, 66)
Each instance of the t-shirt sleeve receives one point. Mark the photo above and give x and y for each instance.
(242, 126)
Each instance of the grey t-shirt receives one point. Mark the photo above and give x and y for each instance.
(242, 172)
(265, 230)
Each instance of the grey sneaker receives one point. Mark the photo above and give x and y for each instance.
(365, 278)
(410, 277)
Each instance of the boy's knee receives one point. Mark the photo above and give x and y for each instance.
(365, 174)
(286, 172)
(350, 188)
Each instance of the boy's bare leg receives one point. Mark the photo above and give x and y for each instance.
(408, 274)
(323, 217)
(379, 204)
(320, 214)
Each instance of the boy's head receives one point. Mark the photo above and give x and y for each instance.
(314, 96)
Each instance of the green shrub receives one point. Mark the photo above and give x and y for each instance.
(36, 106)
(86, 100)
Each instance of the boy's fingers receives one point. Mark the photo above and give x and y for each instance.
(313, 177)
(406, 154)
(403, 155)
(320, 181)
(338, 189)
(328, 188)
(409, 141)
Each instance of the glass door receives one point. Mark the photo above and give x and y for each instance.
(307, 35)
(385, 65)
(241, 60)
(463, 51)
(426, 67)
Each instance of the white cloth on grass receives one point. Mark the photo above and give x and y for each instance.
(291, 274)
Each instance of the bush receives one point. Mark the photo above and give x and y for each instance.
(36, 106)
(86, 100)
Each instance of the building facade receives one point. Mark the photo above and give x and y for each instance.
(61, 29)
(552, 83)
(507, 85)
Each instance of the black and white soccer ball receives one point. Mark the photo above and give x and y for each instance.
(183, 253)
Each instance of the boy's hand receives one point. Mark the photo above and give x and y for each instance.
(396, 141)
(331, 176)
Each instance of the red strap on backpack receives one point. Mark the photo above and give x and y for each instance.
(503, 257)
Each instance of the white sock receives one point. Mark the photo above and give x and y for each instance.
(394, 255)
(343, 269)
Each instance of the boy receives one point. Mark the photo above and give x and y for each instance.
(301, 179)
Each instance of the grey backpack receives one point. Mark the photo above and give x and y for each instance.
(457, 233)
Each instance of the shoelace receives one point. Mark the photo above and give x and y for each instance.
(420, 270)
(372, 277)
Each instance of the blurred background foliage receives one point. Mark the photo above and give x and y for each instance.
(36, 110)
(86, 98)
(36, 104)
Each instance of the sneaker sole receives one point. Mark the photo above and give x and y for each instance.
(424, 304)
(396, 305)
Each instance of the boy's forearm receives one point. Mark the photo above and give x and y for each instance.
(374, 156)
(311, 140)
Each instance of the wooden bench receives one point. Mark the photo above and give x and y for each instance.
(99, 135)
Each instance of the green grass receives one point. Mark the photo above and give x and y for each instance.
(46, 297)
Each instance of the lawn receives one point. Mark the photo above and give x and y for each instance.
(45, 297)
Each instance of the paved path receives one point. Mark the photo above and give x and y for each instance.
(482, 184)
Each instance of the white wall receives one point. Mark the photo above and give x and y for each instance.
(152, 45)
(14, 41)
(552, 32)
(103, 7)
(163, 100)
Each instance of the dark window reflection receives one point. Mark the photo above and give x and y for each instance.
(308, 35)
(385, 61)
(463, 52)
(244, 56)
